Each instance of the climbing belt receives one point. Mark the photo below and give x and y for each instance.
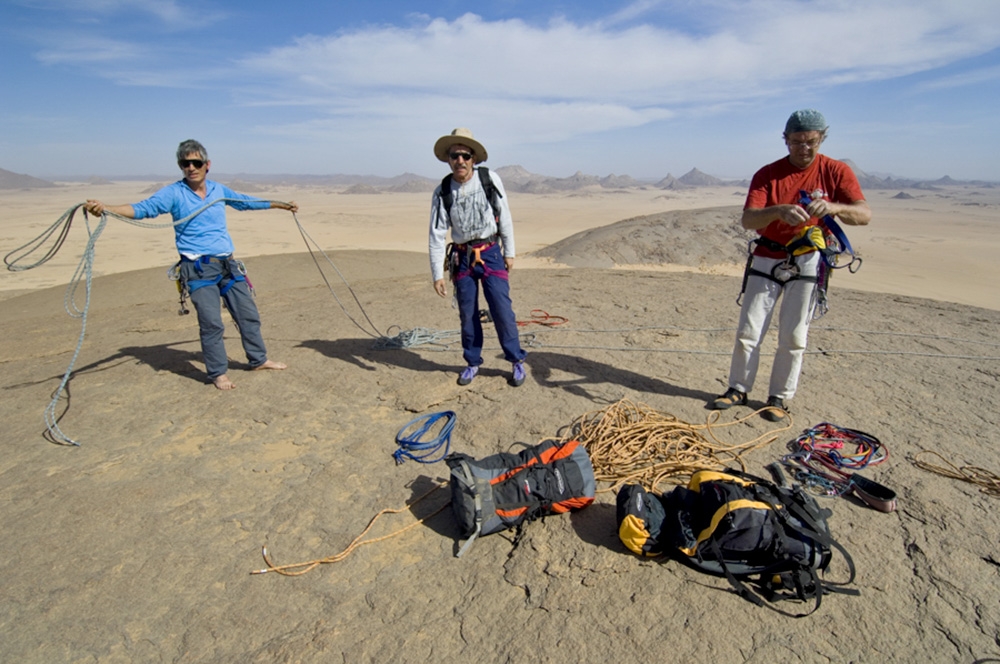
(822, 460)
(987, 480)
(630, 443)
(298, 569)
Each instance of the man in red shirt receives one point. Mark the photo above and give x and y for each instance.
(773, 208)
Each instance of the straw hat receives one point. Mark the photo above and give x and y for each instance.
(461, 136)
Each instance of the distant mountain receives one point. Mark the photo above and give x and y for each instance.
(620, 182)
(696, 178)
(9, 180)
(515, 178)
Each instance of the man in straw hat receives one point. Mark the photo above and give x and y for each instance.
(471, 202)
(775, 209)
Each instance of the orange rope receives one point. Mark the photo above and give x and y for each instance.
(986, 479)
(632, 443)
(540, 317)
(357, 542)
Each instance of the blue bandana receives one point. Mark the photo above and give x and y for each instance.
(805, 120)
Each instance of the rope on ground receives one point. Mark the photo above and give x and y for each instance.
(18, 260)
(987, 480)
(412, 443)
(418, 336)
(15, 261)
(541, 317)
(298, 569)
(633, 443)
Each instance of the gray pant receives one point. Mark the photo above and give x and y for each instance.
(798, 299)
(205, 296)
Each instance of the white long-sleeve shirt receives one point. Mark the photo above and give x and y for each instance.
(471, 219)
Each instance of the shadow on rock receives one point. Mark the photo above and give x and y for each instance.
(588, 372)
(430, 499)
(362, 354)
(598, 525)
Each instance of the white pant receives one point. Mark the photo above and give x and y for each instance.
(759, 300)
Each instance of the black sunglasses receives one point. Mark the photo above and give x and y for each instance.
(197, 163)
(455, 156)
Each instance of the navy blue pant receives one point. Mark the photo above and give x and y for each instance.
(496, 289)
(207, 301)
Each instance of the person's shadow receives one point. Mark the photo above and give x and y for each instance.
(363, 354)
(544, 367)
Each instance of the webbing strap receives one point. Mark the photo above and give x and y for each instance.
(470, 480)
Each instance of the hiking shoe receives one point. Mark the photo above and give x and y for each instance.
(732, 397)
(520, 373)
(777, 415)
(467, 375)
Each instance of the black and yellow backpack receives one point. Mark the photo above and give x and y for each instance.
(739, 526)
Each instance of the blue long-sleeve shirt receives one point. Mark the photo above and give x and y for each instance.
(206, 234)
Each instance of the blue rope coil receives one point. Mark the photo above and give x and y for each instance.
(412, 445)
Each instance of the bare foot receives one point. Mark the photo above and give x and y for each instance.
(223, 383)
(271, 364)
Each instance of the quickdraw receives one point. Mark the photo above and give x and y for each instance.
(174, 274)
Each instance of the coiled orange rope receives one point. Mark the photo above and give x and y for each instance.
(987, 480)
(633, 443)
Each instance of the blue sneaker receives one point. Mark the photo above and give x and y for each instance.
(467, 375)
(520, 373)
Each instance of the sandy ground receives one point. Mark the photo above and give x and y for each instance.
(137, 545)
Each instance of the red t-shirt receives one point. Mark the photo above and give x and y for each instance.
(780, 182)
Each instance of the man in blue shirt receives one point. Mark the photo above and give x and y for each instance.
(207, 268)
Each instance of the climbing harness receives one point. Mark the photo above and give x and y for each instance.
(473, 252)
(828, 239)
(821, 461)
(412, 443)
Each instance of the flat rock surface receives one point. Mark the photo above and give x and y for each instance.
(137, 546)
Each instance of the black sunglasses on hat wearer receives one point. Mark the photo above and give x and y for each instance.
(455, 156)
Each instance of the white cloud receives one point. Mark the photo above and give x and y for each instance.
(754, 48)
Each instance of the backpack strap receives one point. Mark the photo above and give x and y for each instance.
(493, 194)
(479, 508)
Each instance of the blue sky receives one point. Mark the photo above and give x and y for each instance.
(645, 88)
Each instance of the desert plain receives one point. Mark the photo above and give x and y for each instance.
(137, 544)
